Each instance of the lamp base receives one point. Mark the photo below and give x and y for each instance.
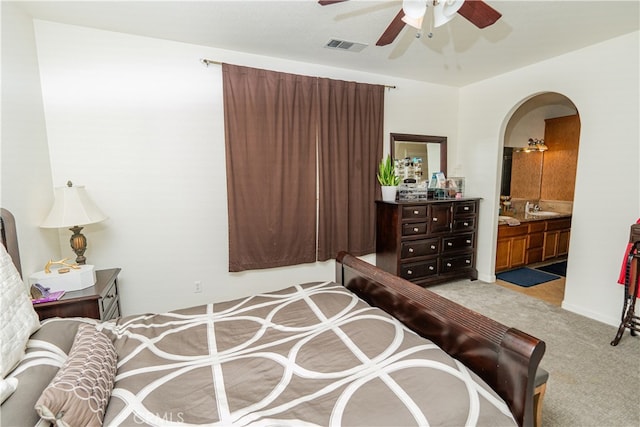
(78, 244)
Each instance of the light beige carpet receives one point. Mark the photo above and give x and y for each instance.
(591, 383)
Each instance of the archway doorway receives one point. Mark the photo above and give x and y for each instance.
(539, 166)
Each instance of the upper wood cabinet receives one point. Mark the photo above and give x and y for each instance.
(562, 136)
(549, 175)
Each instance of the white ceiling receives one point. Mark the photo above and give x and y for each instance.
(456, 55)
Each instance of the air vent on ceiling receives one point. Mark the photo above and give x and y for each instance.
(345, 45)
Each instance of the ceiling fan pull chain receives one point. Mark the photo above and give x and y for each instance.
(430, 33)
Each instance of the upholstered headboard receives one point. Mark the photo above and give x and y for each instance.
(9, 236)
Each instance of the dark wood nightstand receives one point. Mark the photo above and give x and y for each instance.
(100, 301)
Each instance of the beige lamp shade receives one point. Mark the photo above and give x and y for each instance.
(72, 206)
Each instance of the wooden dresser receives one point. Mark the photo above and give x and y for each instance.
(427, 242)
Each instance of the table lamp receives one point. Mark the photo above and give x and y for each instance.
(72, 208)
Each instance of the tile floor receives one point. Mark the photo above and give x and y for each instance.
(551, 292)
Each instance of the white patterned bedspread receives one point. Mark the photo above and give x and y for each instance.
(311, 354)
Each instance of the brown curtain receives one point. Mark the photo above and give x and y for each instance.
(270, 131)
(349, 150)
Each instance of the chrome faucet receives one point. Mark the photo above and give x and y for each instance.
(530, 207)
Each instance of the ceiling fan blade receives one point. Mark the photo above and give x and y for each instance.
(479, 13)
(392, 30)
(328, 2)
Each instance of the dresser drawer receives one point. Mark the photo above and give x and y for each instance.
(108, 301)
(414, 228)
(457, 263)
(414, 212)
(419, 269)
(417, 248)
(464, 224)
(456, 243)
(114, 311)
(464, 208)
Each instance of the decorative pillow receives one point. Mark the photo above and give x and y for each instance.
(7, 387)
(18, 319)
(80, 391)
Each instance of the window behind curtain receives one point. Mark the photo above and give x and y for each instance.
(270, 131)
(349, 150)
(273, 122)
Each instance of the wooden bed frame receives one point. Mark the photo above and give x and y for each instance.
(506, 358)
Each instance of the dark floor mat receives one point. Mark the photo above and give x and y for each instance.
(559, 268)
(526, 277)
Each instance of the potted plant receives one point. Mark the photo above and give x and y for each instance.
(388, 179)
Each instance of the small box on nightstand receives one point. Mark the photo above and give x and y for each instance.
(73, 280)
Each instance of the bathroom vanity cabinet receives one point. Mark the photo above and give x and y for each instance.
(556, 238)
(533, 241)
(511, 249)
(427, 242)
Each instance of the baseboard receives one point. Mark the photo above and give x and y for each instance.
(613, 321)
(489, 278)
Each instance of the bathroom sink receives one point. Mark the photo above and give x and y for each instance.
(544, 213)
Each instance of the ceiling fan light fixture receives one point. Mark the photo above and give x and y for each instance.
(414, 11)
(414, 22)
(445, 10)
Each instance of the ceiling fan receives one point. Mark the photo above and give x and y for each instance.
(413, 12)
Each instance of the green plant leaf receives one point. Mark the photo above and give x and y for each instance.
(387, 172)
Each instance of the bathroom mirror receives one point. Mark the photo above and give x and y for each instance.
(431, 149)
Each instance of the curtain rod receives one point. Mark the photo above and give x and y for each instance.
(208, 62)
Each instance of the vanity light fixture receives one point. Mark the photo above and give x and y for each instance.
(534, 145)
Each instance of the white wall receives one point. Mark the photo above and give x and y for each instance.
(25, 172)
(602, 82)
(139, 122)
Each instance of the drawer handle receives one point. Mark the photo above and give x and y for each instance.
(416, 212)
(466, 208)
(468, 242)
(435, 219)
(109, 296)
(416, 229)
(409, 272)
(449, 244)
(431, 267)
(448, 264)
(466, 224)
(411, 250)
(468, 261)
(433, 247)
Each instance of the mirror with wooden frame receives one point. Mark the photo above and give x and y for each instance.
(432, 150)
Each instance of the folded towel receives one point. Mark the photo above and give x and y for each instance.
(512, 222)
